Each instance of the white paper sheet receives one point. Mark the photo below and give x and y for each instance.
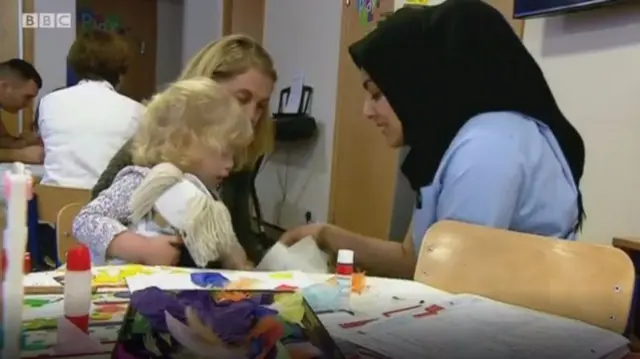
(471, 326)
(304, 256)
(182, 281)
(295, 96)
(41, 279)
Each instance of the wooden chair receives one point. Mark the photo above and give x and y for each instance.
(588, 282)
(64, 224)
(51, 199)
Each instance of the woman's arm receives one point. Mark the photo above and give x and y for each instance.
(99, 225)
(121, 160)
(375, 256)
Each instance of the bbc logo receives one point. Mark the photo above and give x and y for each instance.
(33, 20)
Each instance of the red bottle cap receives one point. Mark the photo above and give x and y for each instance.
(27, 263)
(78, 259)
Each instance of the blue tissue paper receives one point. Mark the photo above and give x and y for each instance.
(323, 297)
(209, 279)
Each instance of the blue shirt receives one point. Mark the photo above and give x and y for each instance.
(502, 170)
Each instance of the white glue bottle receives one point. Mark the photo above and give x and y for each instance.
(77, 287)
(344, 277)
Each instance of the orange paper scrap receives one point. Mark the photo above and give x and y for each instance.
(358, 282)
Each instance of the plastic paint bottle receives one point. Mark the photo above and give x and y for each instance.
(344, 276)
(77, 287)
(27, 263)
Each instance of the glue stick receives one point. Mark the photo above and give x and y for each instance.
(344, 276)
(77, 287)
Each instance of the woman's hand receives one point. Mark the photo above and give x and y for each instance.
(293, 236)
(162, 250)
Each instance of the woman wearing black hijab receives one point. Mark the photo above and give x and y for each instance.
(488, 143)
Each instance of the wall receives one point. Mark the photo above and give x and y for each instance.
(177, 39)
(52, 45)
(302, 35)
(591, 62)
(202, 24)
(169, 46)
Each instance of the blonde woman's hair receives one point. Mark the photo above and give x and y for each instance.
(225, 59)
(188, 119)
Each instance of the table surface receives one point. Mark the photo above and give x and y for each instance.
(110, 303)
(111, 300)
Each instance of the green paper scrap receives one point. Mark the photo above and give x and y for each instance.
(290, 307)
(140, 324)
(35, 302)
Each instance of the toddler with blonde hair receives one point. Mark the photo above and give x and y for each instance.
(164, 209)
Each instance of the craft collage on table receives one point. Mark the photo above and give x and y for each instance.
(269, 309)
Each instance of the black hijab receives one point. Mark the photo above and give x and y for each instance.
(439, 66)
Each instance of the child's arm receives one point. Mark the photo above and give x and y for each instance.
(99, 225)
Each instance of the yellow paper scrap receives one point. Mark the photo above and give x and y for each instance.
(290, 306)
(358, 282)
(117, 275)
(281, 275)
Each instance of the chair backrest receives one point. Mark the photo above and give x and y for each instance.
(51, 199)
(64, 224)
(588, 282)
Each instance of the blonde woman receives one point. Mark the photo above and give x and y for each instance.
(245, 69)
(194, 127)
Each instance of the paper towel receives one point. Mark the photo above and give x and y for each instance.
(304, 256)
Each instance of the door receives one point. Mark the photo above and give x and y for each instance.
(364, 168)
(9, 48)
(244, 17)
(137, 21)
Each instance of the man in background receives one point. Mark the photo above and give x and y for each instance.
(19, 86)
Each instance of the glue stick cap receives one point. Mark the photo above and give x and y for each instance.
(345, 256)
(79, 259)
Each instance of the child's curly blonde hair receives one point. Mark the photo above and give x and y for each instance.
(186, 121)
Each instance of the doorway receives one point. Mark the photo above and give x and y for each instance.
(137, 22)
(364, 168)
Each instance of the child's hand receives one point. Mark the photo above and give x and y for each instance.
(162, 250)
(237, 259)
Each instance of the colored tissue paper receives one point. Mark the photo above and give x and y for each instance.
(209, 280)
(196, 324)
(231, 321)
(72, 340)
(304, 256)
(242, 284)
(269, 330)
(195, 343)
(290, 307)
(358, 282)
(323, 297)
(152, 303)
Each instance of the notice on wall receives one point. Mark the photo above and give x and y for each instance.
(366, 10)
